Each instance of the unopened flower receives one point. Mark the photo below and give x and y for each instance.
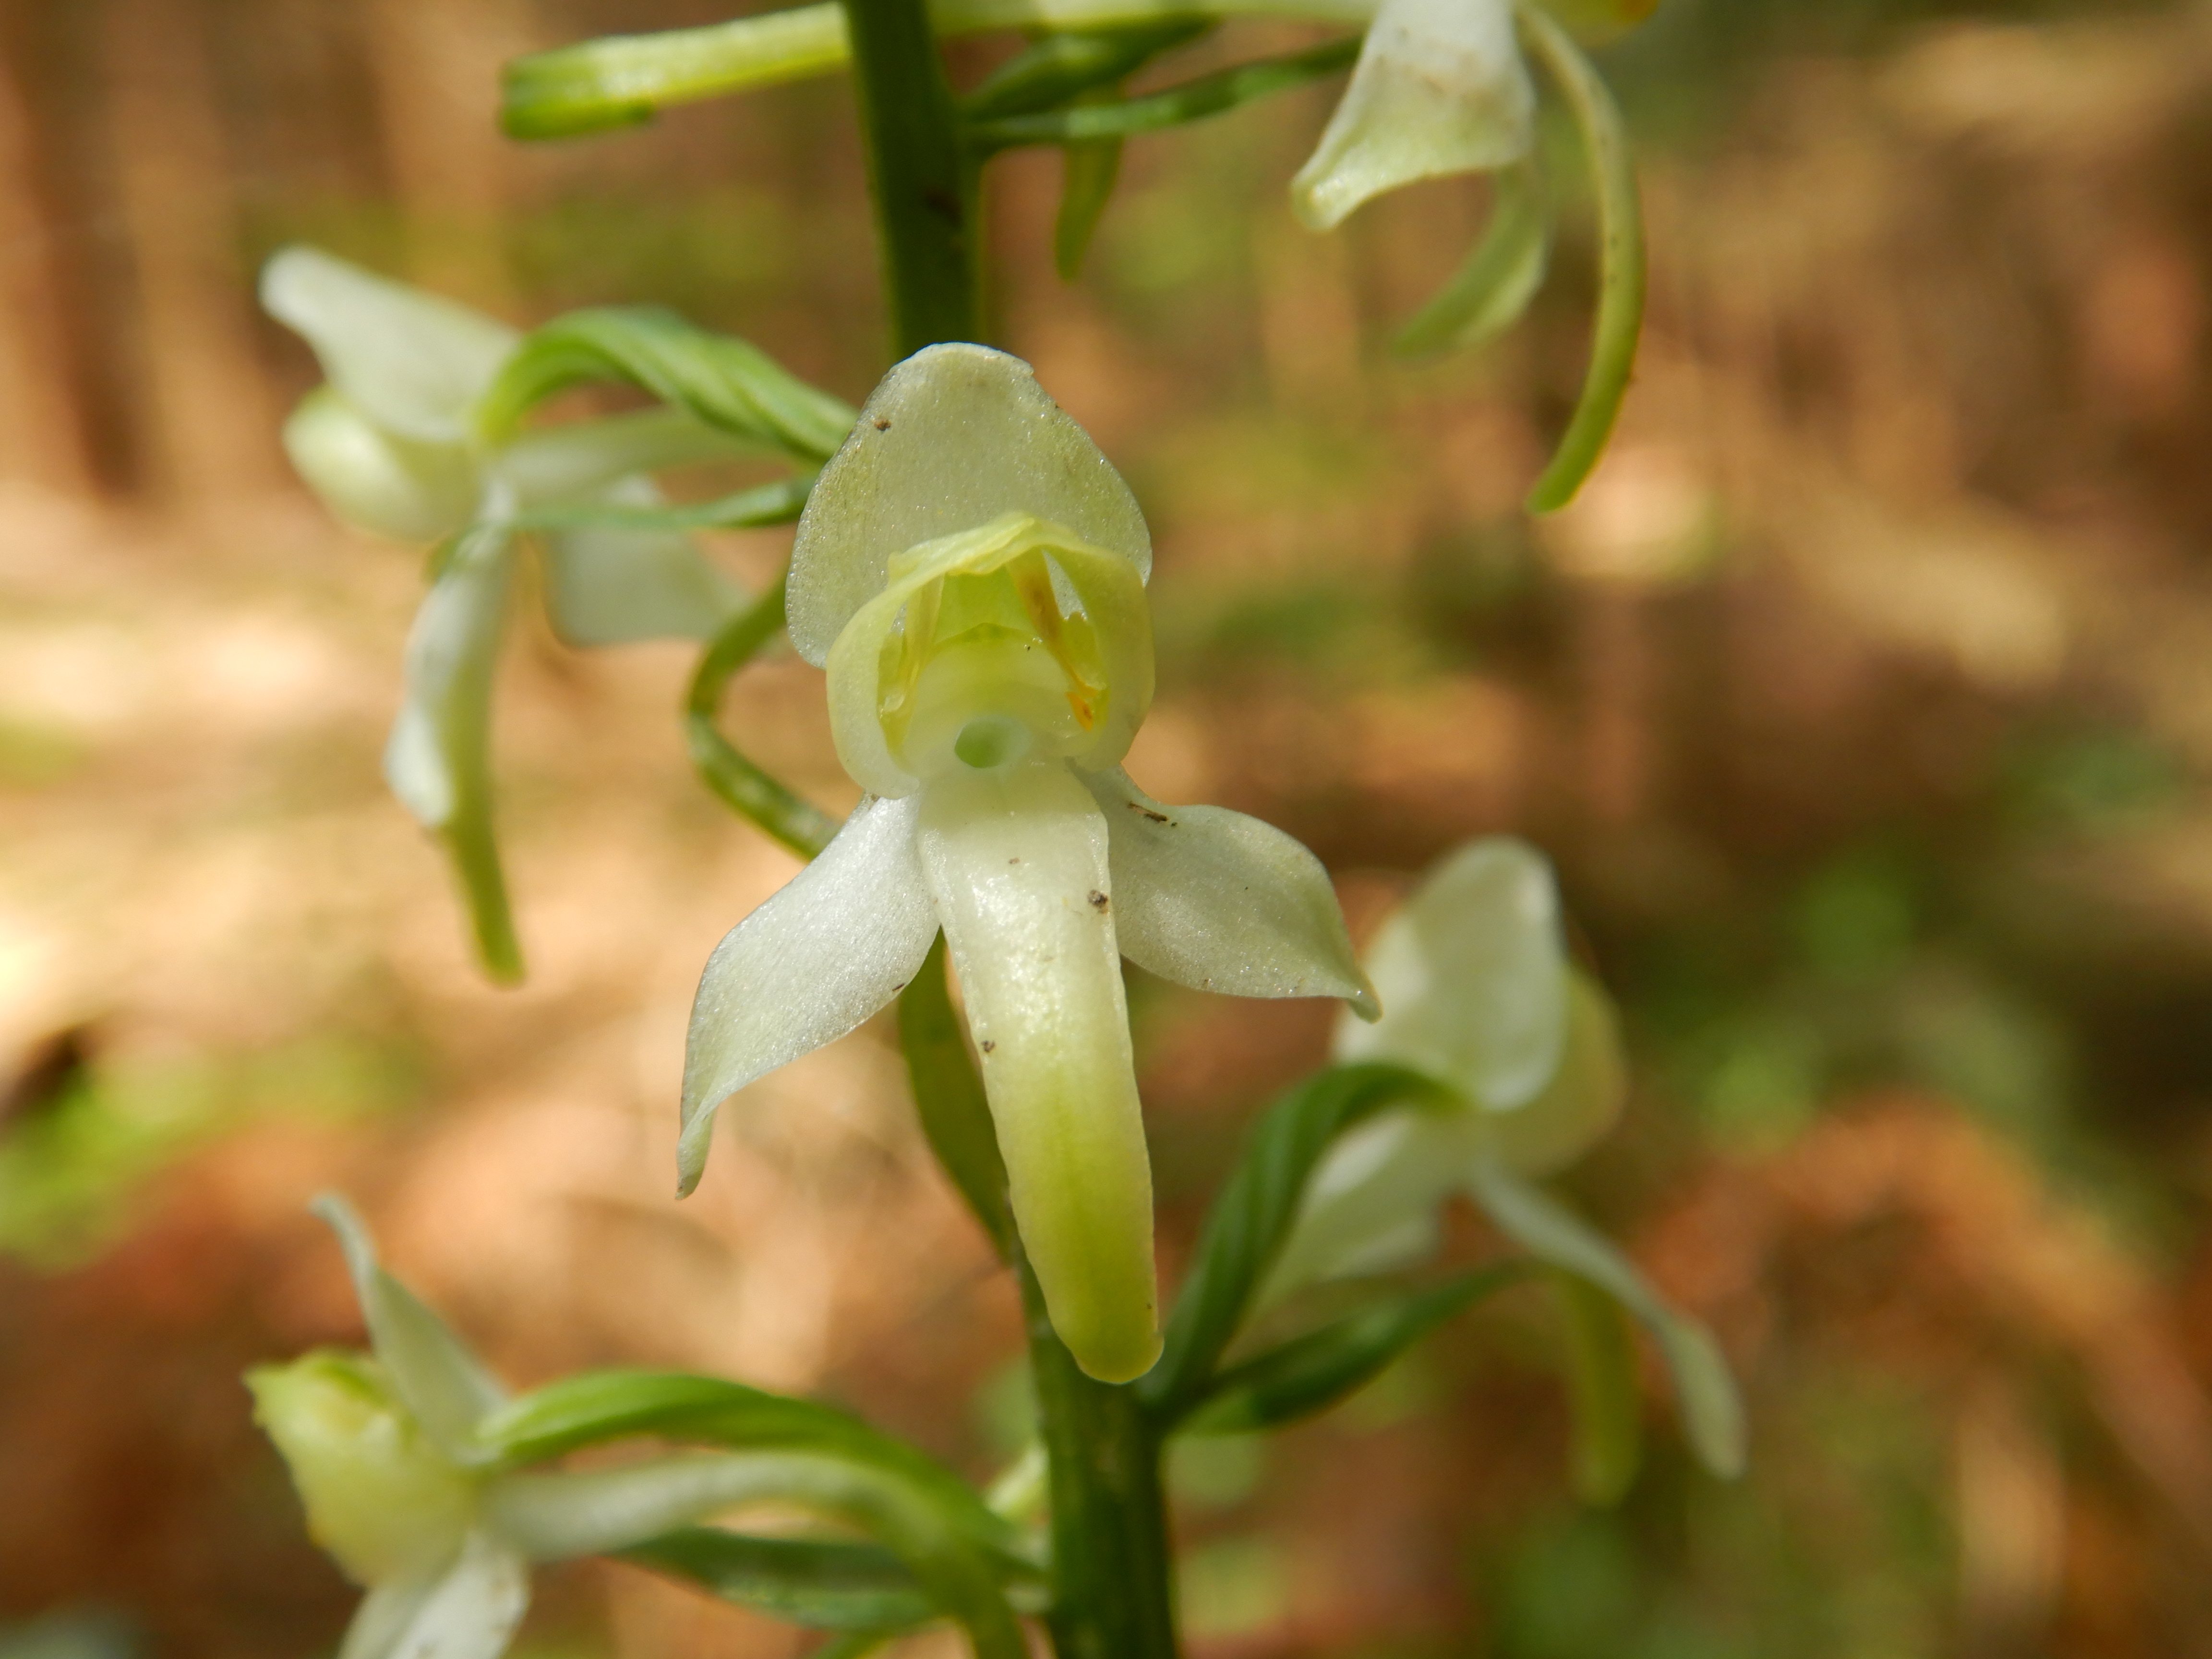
(970, 569)
(390, 444)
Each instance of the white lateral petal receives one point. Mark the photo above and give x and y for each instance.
(558, 1516)
(837, 942)
(1222, 901)
(1583, 1099)
(468, 1611)
(374, 479)
(410, 361)
(954, 437)
(610, 587)
(1473, 975)
(437, 762)
(1017, 862)
(1440, 88)
(437, 1378)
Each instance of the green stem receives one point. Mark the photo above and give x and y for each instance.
(1113, 1583)
(1112, 1595)
(798, 824)
(923, 180)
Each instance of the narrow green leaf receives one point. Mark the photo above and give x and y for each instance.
(1062, 66)
(780, 502)
(1600, 1356)
(1191, 101)
(595, 1408)
(744, 787)
(1621, 259)
(948, 1096)
(821, 1583)
(1313, 1373)
(1087, 173)
(1492, 290)
(1712, 1413)
(621, 80)
(853, 1644)
(1252, 1217)
(723, 381)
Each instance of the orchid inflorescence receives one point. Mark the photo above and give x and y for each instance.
(970, 572)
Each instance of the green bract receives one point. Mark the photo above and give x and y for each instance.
(970, 569)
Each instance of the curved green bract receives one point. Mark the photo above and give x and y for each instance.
(1313, 1373)
(824, 1583)
(1252, 1217)
(1192, 100)
(722, 380)
(744, 787)
(1061, 67)
(1621, 259)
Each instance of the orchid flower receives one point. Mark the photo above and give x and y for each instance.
(1480, 997)
(390, 444)
(398, 1458)
(971, 571)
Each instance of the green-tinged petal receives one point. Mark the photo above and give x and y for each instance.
(834, 943)
(439, 759)
(1583, 1099)
(380, 1497)
(1222, 901)
(954, 437)
(1712, 1413)
(553, 463)
(411, 361)
(1439, 88)
(469, 1611)
(1473, 975)
(609, 586)
(1491, 291)
(1598, 21)
(440, 1382)
(1371, 1204)
(376, 480)
(1017, 862)
(1101, 586)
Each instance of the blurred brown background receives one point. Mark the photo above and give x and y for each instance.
(1865, 701)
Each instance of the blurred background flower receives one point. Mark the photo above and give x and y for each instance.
(1864, 703)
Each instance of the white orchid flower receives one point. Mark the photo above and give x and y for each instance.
(1478, 994)
(971, 571)
(1480, 997)
(1440, 88)
(390, 444)
(404, 1489)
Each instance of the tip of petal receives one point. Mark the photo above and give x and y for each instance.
(1364, 1003)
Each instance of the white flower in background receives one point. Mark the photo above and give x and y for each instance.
(1440, 88)
(970, 570)
(390, 445)
(1479, 996)
(405, 1490)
